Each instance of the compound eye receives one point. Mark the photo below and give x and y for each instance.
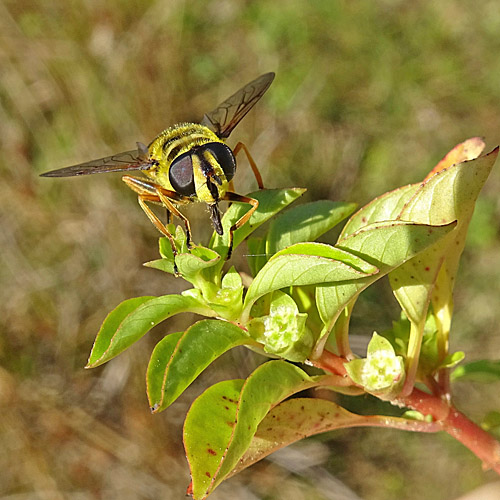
(224, 157)
(180, 175)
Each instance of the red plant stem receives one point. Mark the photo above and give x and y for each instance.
(453, 422)
(457, 425)
(331, 363)
(425, 403)
(480, 442)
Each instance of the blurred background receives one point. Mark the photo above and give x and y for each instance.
(368, 96)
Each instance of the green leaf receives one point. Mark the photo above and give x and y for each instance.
(208, 428)
(329, 252)
(390, 243)
(157, 372)
(389, 205)
(291, 421)
(416, 415)
(449, 194)
(384, 244)
(112, 323)
(491, 423)
(180, 241)
(305, 223)
(271, 201)
(232, 279)
(200, 258)
(284, 270)
(256, 256)
(135, 317)
(223, 420)
(227, 303)
(446, 196)
(383, 208)
(226, 298)
(453, 359)
(165, 265)
(196, 266)
(165, 247)
(179, 358)
(484, 370)
(298, 418)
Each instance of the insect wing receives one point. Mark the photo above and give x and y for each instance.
(128, 160)
(228, 114)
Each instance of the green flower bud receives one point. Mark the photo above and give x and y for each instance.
(382, 372)
(283, 332)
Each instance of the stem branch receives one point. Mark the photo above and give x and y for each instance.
(445, 415)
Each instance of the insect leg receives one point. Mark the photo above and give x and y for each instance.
(229, 196)
(147, 193)
(154, 219)
(253, 165)
(165, 199)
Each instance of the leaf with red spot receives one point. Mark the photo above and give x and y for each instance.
(390, 205)
(386, 245)
(222, 422)
(465, 151)
(450, 194)
(298, 418)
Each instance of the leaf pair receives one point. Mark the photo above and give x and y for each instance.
(446, 195)
(215, 445)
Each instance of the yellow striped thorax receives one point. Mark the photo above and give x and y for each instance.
(193, 161)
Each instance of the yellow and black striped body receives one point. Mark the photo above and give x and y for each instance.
(189, 139)
(187, 162)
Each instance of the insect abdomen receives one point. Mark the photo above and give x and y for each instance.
(179, 139)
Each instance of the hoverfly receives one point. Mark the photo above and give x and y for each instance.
(187, 162)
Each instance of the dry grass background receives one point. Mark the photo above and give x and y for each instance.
(368, 96)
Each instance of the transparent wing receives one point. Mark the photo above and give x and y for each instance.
(128, 160)
(228, 114)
